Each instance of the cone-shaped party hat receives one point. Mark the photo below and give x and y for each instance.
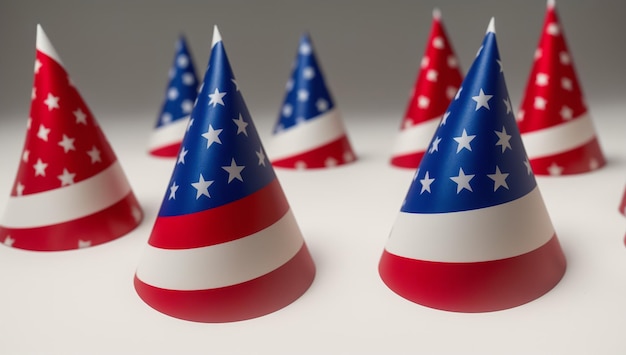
(177, 105)
(556, 127)
(70, 191)
(309, 132)
(473, 234)
(225, 245)
(437, 82)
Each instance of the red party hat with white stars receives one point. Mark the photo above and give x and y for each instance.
(70, 191)
(309, 133)
(556, 126)
(436, 85)
(225, 246)
(473, 234)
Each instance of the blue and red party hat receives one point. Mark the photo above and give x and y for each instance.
(177, 105)
(225, 245)
(473, 233)
(310, 132)
(437, 82)
(70, 190)
(556, 127)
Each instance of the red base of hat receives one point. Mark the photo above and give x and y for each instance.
(250, 299)
(169, 151)
(335, 153)
(475, 287)
(583, 159)
(411, 161)
(101, 227)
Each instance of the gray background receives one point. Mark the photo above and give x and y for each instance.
(119, 52)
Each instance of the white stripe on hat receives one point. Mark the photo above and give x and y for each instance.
(44, 45)
(307, 135)
(497, 232)
(69, 202)
(168, 134)
(559, 139)
(223, 264)
(416, 138)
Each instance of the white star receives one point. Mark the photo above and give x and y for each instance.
(172, 93)
(425, 61)
(348, 156)
(25, 155)
(289, 85)
(43, 132)
(80, 116)
(261, 156)
(566, 113)
(212, 136)
(300, 165)
(565, 58)
(435, 145)
(520, 115)
(287, 110)
(431, 75)
(66, 178)
(188, 79)
(234, 171)
(303, 95)
(507, 103)
(308, 73)
(305, 49)
(173, 190)
(528, 167)
(33, 93)
(241, 125)
(439, 43)
(452, 62)
(19, 189)
(408, 123)
(464, 141)
(499, 179)
(538, 53)
(29, 123)
(553, 29)
(540, 103)
(37, 66)
(40, 168)
(423, 102)
(322, 105)
(137, 214)
(426, 182)
(67, 143)
(500, 64)
(503, 139)
(202, 187)
(482, 100)
(458, 93)
(479, 51)
(186, 106)
(593, 164)
(330, 161)
(462, 181)
(235, 83)
(84, 244)
(51, 101)
(189, 125)
(444, 119)
(8, 241)
(181, 156)
(542, 79)
(217, 98)
(555, 169)
(94, 154)
(566, 84)
(182, 61)
(166, 118)
(450, 92)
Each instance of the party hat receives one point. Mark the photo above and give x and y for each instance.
(309, 132)
(473, 234)
(225, 245)
(436, 85)
(70, 191)
(556, 127)
(177, 105)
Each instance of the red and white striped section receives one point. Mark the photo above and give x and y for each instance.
(511, 257)
(198, 270)
(317, 143)
(412, 143)
(165, 140)
(64, 218)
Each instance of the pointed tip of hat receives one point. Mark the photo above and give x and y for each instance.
(217, 37)
(551, 4)
(44, 45)
(436, 14)
(492, 26)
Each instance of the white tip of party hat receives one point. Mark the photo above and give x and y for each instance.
(436, 14)
(44, 45)
(492, 26)
(217, 37)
